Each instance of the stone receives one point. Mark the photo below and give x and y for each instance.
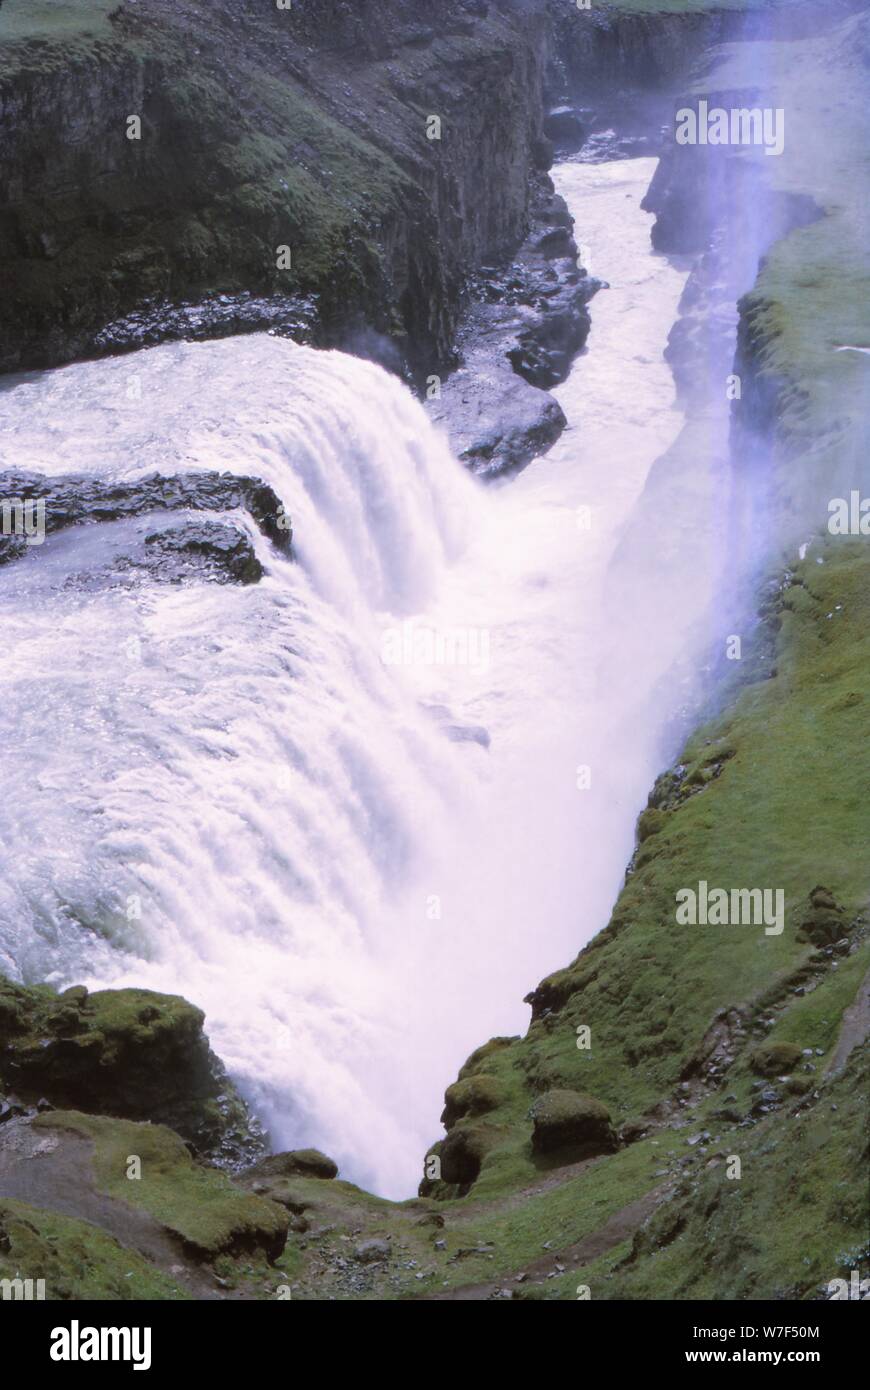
(306, 1163)
(775, 1058)
(372, 1251)
(571, 1124)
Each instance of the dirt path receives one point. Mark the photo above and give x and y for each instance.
(617, 1228)
(854, 1028)
(54, 1170)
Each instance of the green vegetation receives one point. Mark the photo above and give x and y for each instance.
(128, 1052)
(200, 1206)
(76, 1260)
(810, 298)
(40, 20)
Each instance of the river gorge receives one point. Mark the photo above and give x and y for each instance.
(349, 694)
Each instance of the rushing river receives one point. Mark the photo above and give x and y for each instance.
(279, 800)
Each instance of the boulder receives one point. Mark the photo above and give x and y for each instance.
(300, 1163)
(571, 1124)
(775, 1058)
(462, 1154)
(824, 923)
(372, 1251)
(476, 1095)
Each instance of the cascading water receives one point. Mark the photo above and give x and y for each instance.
(278, 800)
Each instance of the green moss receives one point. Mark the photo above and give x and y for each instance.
(775, 1058)
(130, 1052)
(77, 1261)
(474, 1095)
(56, 19)
(795, 1219)
(198, 1205)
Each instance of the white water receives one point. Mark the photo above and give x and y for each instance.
(355, 899)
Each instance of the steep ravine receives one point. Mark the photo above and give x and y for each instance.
(604, 1164)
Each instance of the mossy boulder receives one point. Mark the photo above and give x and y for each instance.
(292, 1180)
(572, 1125)
(650, 823)
(460, 1156)
(775, 1058)
(475, 1095)
(296, 1163)
(482, 1054)
(131, 1053)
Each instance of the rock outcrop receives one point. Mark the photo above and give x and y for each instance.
(129, 1053)
(325, 167)
(211, 549)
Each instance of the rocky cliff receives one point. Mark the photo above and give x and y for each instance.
(163, 152)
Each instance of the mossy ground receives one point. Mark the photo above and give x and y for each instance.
(199, 1205)
(77, 1260)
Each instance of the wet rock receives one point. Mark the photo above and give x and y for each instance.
(215, 316)
(74, 499)
(567, 127)
(214, 550)
(496, 422)
(528, 319)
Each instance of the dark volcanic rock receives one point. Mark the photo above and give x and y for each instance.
(219, 552)
(215, 316)
(73, 499)
(260, 128)
(567, 127)
(527, 320)
(496, 422)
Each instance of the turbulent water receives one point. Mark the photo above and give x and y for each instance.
(357, 810)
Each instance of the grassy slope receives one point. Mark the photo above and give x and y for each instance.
(785, 810)
(198, 1205)
(76, 1259)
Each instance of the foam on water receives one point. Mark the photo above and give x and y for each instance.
(355, 893)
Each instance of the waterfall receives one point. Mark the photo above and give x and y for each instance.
(341, 809)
